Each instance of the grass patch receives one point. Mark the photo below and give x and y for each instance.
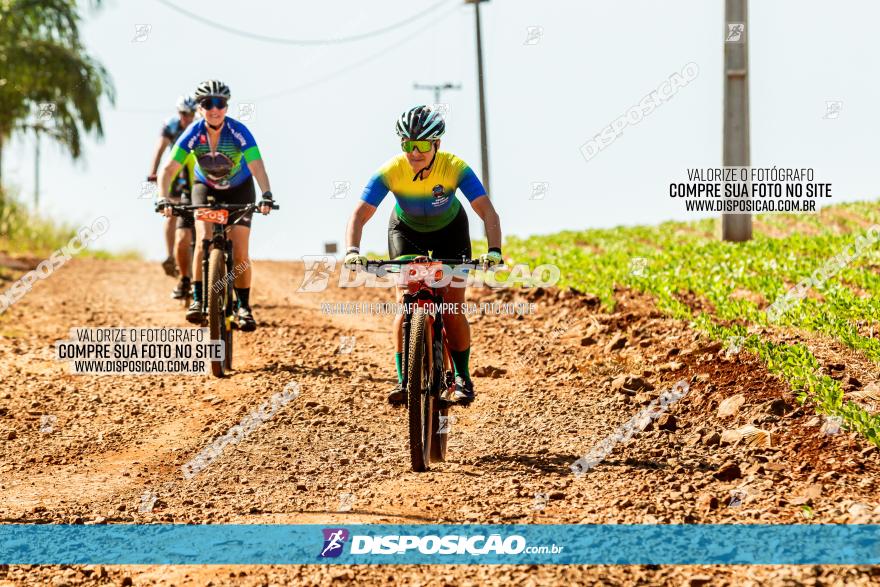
(25, 232)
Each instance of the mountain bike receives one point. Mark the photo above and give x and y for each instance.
(427, 365)
(218, 301)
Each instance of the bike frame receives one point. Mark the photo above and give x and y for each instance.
(221, 322)
(421, 294)
(218, 240)
(440, 352)
(429, 398)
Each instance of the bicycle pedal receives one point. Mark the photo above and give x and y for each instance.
(445, 400)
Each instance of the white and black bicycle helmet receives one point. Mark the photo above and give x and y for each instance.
(186, 104)
(421, 123)
(212, 88)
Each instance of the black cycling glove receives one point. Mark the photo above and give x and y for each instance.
(267, 200)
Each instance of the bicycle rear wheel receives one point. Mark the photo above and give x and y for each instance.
(227, 350)
(228, 319)
(217, 305)
(418, 383)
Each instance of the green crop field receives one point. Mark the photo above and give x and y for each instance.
(675, 261)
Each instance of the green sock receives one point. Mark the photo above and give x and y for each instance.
(398, 362)
(460, 361)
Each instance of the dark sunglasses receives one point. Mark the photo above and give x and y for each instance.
(208, 103)
(421, 146)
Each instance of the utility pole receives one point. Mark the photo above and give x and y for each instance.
(736, 227)
(437, 89)
(484, 144)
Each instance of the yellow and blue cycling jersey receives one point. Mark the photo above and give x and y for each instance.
(425, 204)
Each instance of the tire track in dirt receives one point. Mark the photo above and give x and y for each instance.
(545, 397)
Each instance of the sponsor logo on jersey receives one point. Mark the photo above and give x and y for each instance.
(440, 196)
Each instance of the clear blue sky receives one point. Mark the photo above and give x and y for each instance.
(593, 61)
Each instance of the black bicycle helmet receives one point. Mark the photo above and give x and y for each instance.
(212, 88)
(421, 123)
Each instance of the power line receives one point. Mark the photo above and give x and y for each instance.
(300, 42)
(357, 64)
(333, 74)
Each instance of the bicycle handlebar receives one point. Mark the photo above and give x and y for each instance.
(418, 260)
(217, 206)
(177, 208)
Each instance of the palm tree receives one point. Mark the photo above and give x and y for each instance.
(48, 83)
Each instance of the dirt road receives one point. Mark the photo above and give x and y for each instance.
(86, 449)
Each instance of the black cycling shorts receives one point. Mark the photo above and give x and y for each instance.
(453, 241)
(240, 194)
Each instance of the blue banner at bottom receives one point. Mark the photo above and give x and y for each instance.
(572, 544)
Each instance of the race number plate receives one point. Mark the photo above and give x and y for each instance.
(414, 273)
(215, 216)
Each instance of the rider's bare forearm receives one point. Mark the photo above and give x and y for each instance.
(493, 230)
(157, 154)
(167, 176)
(353, 233)
(486, 211)
(258, 169)
(356, 223)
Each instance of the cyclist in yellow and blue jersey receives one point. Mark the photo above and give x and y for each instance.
(428, 218)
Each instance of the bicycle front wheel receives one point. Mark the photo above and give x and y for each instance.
(217, 305)
(418, 384)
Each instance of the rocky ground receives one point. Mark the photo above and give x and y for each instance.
(737, 448)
